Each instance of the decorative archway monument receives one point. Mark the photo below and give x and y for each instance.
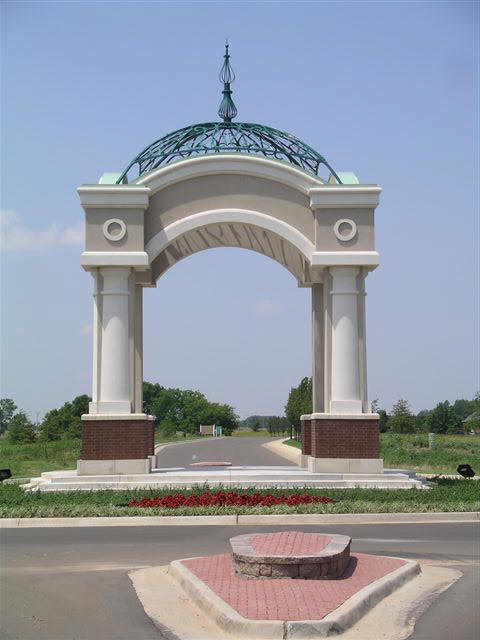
(322, 233)
(227, 184)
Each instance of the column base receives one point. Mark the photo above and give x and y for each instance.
(114, 467)
(345, 465)
(304, 461)
(343, 437)
(117, 442)
(101, 408)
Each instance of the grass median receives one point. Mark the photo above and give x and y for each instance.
(445, 496)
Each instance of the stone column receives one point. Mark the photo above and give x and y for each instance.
(96, 330)
(115, 364)
(346, 397)
(318, 340)
(138, 350)
(362, 339)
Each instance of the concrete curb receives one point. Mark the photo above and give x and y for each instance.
(283, 450)
(222, 613)
(334, 623)
(355, 607)
(162, 445)
(232, 520)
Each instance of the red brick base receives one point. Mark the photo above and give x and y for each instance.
(307, 437)
(117, 439)
(341, 438)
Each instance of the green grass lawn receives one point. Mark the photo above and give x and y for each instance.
(161, 438)
(410, 451)
(29, 460)
(261, 433)
(446, 495)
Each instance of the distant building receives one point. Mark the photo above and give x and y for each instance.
(214, 430)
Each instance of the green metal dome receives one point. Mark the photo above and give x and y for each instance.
(226, 137)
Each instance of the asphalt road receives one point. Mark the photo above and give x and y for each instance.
(72, 583)
(238, 451)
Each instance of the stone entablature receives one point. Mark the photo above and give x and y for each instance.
(290, 554)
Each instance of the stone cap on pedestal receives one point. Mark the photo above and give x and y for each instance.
(290, 554)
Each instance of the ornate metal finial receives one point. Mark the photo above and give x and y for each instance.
(227, 109)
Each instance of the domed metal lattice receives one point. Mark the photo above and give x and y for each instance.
(227, 137)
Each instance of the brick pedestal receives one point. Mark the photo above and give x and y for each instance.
(341, 443)
(306, 438)
(337, 438)
(117, 439)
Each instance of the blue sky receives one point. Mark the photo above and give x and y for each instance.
(388, 90)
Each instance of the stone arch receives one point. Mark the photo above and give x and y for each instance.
(322, 233)
(230, 228)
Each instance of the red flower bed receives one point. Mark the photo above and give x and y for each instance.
(228, 499)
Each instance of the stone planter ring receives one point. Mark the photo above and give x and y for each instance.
(291, 554)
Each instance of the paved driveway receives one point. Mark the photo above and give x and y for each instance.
(238, 451)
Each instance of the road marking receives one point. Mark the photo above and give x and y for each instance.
(74, 568)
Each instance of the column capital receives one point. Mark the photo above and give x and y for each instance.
(120, 271)
(344, 271)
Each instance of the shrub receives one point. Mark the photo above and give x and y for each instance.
(20, 430)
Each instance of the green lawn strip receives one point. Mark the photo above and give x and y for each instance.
(446, 495)
(261, 433)
(30, 460)
(161, 438)
(293, 443)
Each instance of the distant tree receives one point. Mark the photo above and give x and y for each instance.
(420, 421)
(463, 408)
(80, 405)
(383, 415)
(165, 406)
(256, 425)
(21, 430)
(299, 403)
(401, 420)
(383, 420)
(65, 422)
(277, 425)
(150, 393)
(221, 414)
(7, 409)
(185, 410)
(443, 419)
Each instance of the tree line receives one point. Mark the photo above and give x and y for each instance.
(275, 425)
(176, 410)
(64, 422)
(462, 416)
(185, 410)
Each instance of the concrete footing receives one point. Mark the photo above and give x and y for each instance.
(115, 467)
(344, 465)
(260, 477)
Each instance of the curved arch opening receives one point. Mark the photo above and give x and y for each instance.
(244, 330)
(231, 228)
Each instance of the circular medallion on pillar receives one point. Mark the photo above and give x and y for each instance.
(114, 229)
(345, 229)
